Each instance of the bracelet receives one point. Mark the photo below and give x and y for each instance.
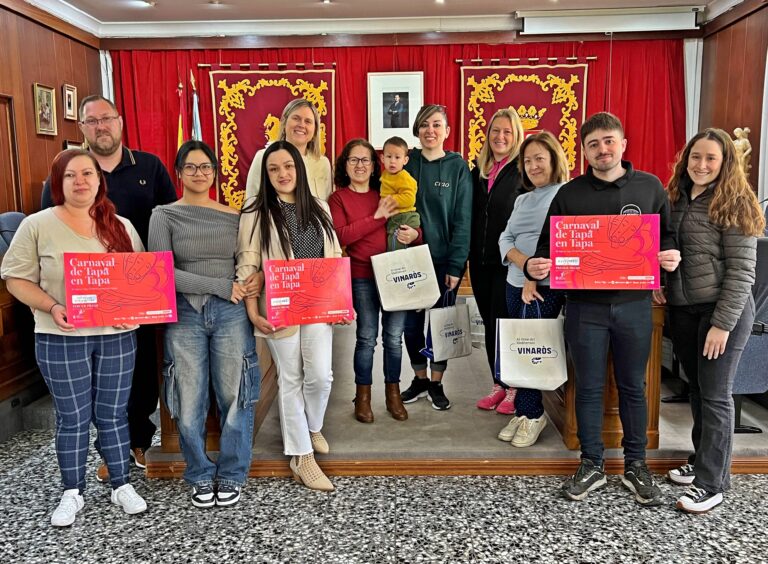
(50, 309)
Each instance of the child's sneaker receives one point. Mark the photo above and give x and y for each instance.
(507, 405)
(493, 399)
(682, 476)
(698, 500)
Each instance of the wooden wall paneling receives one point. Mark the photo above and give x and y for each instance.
(733, 75)
(20, 8)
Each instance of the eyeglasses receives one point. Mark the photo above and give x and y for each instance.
(93, 122)
(190, 169)
(354, 161)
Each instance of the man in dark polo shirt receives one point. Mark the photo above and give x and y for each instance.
(136, 183)
(597, 319)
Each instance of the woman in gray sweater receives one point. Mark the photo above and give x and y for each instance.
(717, 219)
(544, 169)
(212, 342)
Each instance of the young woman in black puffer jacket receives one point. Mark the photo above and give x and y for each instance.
(717, 219)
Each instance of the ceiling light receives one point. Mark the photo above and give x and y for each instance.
(150, 2)
(439, 1)
(326, 1)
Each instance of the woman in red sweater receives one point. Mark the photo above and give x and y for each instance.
(360, 218)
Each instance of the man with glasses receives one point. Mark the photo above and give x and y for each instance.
(136, 183)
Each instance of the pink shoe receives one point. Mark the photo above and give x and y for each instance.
(507, 405)
(490, 401)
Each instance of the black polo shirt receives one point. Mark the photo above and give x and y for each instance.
(136, 185)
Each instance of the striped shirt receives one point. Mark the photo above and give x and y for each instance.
(203, 241)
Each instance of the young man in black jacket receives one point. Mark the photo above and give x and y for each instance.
(598, 319)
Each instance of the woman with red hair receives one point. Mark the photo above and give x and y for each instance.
(88, 370)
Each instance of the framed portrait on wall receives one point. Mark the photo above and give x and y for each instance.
(45, 110)
(394, 99)
(69, 101)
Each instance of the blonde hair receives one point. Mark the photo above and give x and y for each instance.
(556, 154)
(485, 158)
(313, 147)
(734, 203)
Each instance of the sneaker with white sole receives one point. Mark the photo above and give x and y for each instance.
(588, 477)
(437, 395)
(507, 405)
(227, 495)
(508, 432)
(417, 389)
(698, 500)
(493, 399)
(529, 431)
(71, 502)
(639, 480)
(203, 496)
(127, 498)
(682, 476)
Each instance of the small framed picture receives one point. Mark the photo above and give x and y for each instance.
(394, 99)
(69, 144)
(45, 110)
(69, 101)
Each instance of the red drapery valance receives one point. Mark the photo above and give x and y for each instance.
(642, 82)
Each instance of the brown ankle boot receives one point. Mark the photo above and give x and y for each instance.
(394, 402)
(363, 411)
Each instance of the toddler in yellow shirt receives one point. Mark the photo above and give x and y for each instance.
(398, 183)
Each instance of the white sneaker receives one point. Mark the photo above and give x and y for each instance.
(508, 432)
(127, 498)
(528, 432)
(71, 502)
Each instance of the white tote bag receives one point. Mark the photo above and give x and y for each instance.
(476, 325)
(406, 279)
(448, 332)
(530, 353)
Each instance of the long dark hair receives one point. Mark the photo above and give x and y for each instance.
(309, 214)
(342, 179)
(109, 229)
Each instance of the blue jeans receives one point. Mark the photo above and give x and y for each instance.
(215, 346)
(590, 329)
(365, 298)
(90, 380)
(414, 333)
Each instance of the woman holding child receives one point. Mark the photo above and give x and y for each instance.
(360, 217)
(285, 221)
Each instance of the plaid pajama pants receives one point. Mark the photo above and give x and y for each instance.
(90, 380)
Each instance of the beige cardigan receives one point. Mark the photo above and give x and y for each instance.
(249, 257)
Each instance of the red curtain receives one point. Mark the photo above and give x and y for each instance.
(639, 81)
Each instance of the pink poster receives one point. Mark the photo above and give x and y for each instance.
(304, 291)
(106, 289)
(604, 252)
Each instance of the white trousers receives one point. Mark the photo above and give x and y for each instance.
(304, 378)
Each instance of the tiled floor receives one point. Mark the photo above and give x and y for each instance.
(368, 520)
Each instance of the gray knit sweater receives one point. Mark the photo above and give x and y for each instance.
(203, 242)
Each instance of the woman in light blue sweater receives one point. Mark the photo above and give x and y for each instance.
(544, 169)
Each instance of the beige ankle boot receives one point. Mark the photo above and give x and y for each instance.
(306, 471)
(319, 444)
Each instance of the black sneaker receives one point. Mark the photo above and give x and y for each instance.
(418, 389)
(202, 496)
(698, 500)
(437, 395)
(227, 495)
(588, 477)
(639, 480)
(682, 476)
